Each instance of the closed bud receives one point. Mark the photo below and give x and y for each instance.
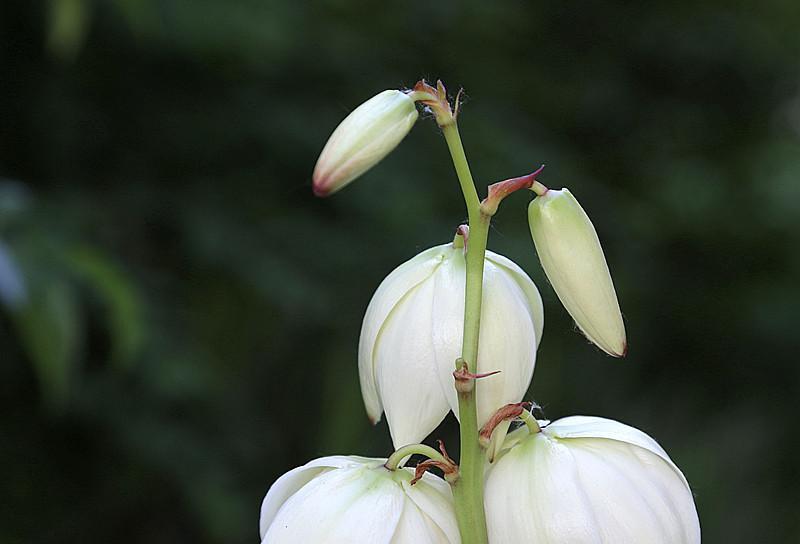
(588, 480)
(573, 260)
(354, 499)
(363, 139)
(412, 333)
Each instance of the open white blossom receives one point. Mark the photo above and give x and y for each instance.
(412, 333)
(354, 500)
(588, 480)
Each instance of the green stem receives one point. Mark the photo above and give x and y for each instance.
(394, 460)
(468, 489)
(530, 421)
(462, 170)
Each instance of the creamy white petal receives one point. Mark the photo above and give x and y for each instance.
(406, 381)
(532, 495)
(598, 427)
(535, 305)
(507, 339)
(432, 496)
(283, 488)
(349, 505)
(415, 527)
(589, 480)
(635, 504)
(291, 482)
(390, 292)
(507, 343)
(447, 329)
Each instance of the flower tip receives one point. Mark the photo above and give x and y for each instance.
(319, 190)
(619, 349)
(321, 182)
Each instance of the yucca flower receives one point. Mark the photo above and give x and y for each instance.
(412, 333)
(347, 499)
(587, 480)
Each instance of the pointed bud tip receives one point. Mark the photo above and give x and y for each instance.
(620, 353)
(320, 191)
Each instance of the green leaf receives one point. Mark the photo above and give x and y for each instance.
(49, 329)
(118, 297)
(68, 23)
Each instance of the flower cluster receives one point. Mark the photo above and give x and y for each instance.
(457, 328)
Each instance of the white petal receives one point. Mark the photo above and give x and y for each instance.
(585, 479)
(533, 495)
(507, 339)
(283, 488)
(432, 496)
(291, 482)
(415, 527)
(396, 285)
(448, 323)
(635, 494)
(598, 427)
(406, 379)
(507, 343)
(535, 305)
(349, 505)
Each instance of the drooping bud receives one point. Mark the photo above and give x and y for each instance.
(573, 260)
(412, 334)
(588, 479)
(363, 139)
(355, 499)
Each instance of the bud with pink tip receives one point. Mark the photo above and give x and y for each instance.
(363, 139)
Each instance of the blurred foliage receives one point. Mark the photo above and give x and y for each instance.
(180, 317)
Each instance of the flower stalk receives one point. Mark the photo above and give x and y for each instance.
(468, 489)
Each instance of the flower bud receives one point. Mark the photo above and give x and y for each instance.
(412, 333)
(363, 139)
(573, 260)
(588, 480)
(355, 499)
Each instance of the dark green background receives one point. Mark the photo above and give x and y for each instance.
(183, 323)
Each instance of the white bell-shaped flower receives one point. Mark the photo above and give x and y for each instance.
(363, 139)
(349, 500)
(573, 260)
(588, 480)
(412, 333)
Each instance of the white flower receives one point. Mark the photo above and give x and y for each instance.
(411, 338)
(344, 500)
(573, 260)
(588, 480)
(363, 139)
